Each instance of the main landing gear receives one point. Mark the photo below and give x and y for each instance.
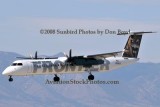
(90, 77)
(56, 78)
(10, 78)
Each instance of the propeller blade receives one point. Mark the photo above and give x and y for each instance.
(36, 55)
(31, 57)
(69, 57)
(70, 54)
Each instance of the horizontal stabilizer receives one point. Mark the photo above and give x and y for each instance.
(135, 33)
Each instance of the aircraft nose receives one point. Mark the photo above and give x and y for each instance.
(7, 71)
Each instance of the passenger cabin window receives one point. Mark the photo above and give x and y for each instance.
(17, 64)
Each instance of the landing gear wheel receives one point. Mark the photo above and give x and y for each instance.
(91, 77)
(56, 78)
(10, 79)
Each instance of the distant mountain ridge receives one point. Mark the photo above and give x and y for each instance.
(139, 87)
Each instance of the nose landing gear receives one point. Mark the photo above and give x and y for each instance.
(10, 78)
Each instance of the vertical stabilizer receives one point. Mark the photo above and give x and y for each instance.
(133, 44)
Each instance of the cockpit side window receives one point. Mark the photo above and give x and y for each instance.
(17, 64)
(14, 64)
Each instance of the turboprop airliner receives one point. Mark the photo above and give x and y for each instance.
(28, 66)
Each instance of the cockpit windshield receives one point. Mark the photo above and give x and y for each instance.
(17, 64)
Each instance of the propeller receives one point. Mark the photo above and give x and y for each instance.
(36, 55)
(69, 58)
(31, 57)
(70, 55)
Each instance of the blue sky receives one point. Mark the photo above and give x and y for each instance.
(20, 22)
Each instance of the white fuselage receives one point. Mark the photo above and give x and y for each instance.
(58, 66)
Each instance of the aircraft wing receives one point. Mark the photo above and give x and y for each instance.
(104, 55)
